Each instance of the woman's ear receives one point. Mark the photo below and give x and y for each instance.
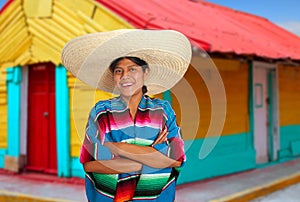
(146, 73)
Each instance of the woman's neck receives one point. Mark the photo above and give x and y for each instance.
(133, 102)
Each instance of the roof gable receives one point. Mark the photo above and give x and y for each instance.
(28, 36)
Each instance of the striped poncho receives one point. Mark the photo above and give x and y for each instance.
(110, 121)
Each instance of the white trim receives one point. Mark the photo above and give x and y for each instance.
(276, 128)
(24, 111)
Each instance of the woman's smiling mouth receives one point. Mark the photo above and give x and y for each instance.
(127, 84)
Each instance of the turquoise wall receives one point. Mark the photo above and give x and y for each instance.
(77, 169)
(232, 153)
(2, 154)
(289, 142)
(13, 80)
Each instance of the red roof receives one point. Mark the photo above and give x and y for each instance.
(6, 4)
(212, 27)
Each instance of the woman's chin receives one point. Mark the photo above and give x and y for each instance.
(129, 93)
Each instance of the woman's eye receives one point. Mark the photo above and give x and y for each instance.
(132, 69)
(117, 71)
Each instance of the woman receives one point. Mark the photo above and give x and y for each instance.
(132, 149)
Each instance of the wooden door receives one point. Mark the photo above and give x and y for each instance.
(260, 114)
(265, 101)
(41, 142)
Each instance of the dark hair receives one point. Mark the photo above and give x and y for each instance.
(136, 60)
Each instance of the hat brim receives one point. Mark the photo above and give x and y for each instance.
(167, 52)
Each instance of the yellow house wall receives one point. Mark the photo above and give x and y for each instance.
(234, 75)
(289, 95)
(82, 99)
(38, 8)
(236, 81)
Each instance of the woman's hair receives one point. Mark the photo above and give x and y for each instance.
(136, 60)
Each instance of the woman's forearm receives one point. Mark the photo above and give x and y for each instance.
(114, 166)
(144, 154)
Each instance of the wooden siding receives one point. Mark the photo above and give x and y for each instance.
(30, 37)
(37, 8)
(235, 78)
(15, 38)
(289, 96)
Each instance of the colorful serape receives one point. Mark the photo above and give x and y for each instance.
(110, 121)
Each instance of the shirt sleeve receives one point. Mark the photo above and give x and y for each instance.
(92, 147)
(174, 148)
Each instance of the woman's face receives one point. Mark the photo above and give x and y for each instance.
(129, 77)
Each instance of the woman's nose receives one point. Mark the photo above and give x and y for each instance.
(125, 74)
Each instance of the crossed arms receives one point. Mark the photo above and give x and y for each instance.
(132, 158)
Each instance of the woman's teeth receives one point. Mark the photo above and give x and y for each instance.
(126, 84)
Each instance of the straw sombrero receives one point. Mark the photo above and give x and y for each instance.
(167, 52)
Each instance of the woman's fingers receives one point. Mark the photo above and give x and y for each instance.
(162, 136)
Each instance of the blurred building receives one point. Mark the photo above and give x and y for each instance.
(238, 104)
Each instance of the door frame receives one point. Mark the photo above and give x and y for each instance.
(63, 139)
(273, 132)
(23, 117)
(24, 112)
(274, 128)
(62, 119)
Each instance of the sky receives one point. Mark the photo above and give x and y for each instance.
(2, 3)
(285, 13)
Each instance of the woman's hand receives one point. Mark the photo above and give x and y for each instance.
(162, 137)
